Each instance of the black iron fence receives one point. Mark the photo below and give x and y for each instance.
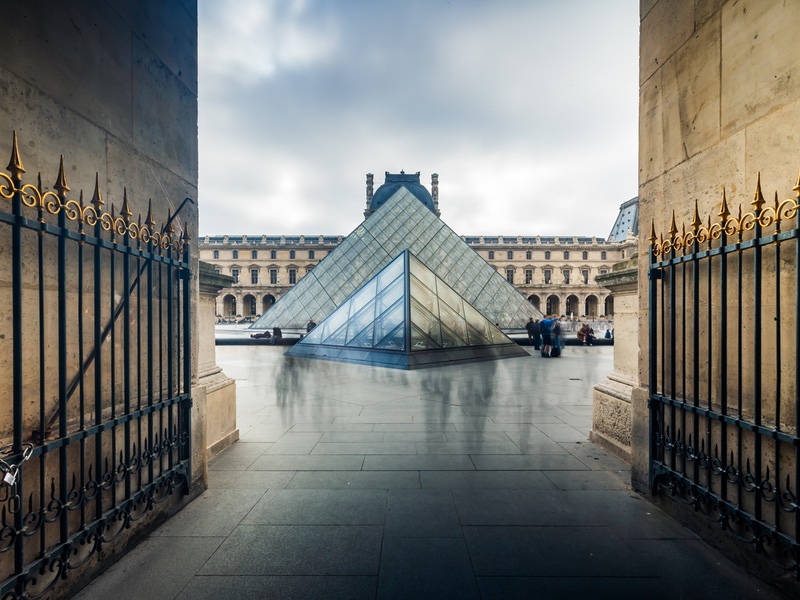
(95, 375)
(724, 330)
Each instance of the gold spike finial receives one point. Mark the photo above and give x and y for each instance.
(724, 213)
(653, 237)
(150, 221)
(61, 179)
(169, 228)
(758, 197)
(796, 187)
(696, 222)
(97, 198)
(15, 164)
(673, 229)
(125, 211)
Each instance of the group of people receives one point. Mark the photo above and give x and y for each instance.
(545, 335)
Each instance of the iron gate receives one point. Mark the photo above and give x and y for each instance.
(724, 323)
(95, 376)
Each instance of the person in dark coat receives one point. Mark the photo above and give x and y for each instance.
(310, 325)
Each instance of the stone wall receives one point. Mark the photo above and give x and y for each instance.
(719, 103)
(112, 86)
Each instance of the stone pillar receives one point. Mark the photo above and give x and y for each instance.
(611, 399)
(214, 389)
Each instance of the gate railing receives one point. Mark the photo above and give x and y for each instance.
(95, 376)
(724, 323)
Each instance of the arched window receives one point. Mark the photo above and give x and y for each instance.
(566, 254)
(603, 255)
(510, 255)
(585, 255)
(254, 254)
(547, 254)
(273, 255)
(528, 255)
(216, 253)
(291, 254)
(235, 254)
(311, 254)
(491, 254)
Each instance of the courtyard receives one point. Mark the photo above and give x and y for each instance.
(466, 481)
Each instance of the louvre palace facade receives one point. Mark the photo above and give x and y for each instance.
(555, 273)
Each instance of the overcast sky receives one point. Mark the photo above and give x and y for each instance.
(527, 109)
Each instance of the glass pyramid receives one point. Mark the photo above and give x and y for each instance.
(401, 223)
(406, 317)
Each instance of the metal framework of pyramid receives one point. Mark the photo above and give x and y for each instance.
(406, 317)
(401, 223)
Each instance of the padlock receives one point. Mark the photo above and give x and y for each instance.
(10, 477)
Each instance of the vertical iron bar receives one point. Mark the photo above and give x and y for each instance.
(683, 354)
(652, 362)
(150, 436)
(62, 366)
(162, 432)
(113, 362)
(695, 352)
(796, 371)
(98, 365)
(126, 356)
(187, 362)
(139, 362)
(82, 392)
(757, 361)
(16, 327)
(739, 367)
(778, 382)
(170, 346)
(672, 355)
(43, 425)
(723, 356)
(710, 362)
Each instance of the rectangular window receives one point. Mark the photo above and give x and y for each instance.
(566, 276)
(254, 276)
(585, 275)
(292, 276)
(311, 255)
(273, 254)
(216, 253)
(603, 271)
(273, 276)
(254, 253)
(528, 275)
(235, 275)
(547, 275)
(235, 254)
(510, 275)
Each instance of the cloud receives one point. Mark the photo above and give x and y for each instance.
(528, 111)
(244, 42)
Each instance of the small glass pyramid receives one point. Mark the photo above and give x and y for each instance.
(406, 317)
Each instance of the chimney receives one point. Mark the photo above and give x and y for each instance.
(370, 178)
(435, 192)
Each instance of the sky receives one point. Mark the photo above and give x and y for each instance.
(527, 110)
